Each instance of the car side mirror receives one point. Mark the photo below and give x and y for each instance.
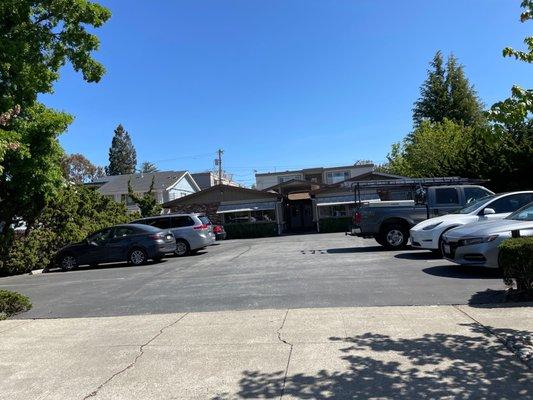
(90, 242)
(489, 211)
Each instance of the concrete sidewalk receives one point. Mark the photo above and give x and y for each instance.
(344, 353)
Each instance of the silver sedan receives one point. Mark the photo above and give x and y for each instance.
(477, 243)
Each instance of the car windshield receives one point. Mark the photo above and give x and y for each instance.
(475, 205)
(524, 214)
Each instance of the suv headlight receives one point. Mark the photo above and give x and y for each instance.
(432, 226)
(477, 240)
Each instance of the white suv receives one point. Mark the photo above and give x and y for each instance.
(192, 231)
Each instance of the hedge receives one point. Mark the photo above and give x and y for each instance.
(12, 303)
(251, 230)
(339, 224)
(516, 263)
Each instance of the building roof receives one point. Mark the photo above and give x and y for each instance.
(295, 183)
(372, 175)
(314, 170)
(139, 182)
(219, 193)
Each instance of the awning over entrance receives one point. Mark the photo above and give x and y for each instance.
(299, 196)
(243, 207)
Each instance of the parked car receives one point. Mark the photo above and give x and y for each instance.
(220, 232)
(192, 231)
(477, 243)
(389, 221)
(129, 242)
(428, 234)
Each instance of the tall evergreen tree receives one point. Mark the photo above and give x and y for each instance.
(122, 154)
(464, 104)
(446, 93)
(434, 100)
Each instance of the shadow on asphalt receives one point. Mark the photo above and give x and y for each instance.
(463, 272)
(419, 255)
(371, 365)
(500, 299)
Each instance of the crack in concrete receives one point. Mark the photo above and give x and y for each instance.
(290, 354)
(496, 335)
(240, 254)
(18, 325)
(132, 364)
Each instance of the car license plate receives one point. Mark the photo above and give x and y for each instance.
(356, 230)
(447, 249)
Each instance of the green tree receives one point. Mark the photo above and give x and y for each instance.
(37, 38)
(464, 104)
(444, 148)
(78, 169)
(434, 101)
(148, 167)
(122, 154)
(147, 202)
(512, 123)
(9, 140)
(446, 93)
(30, 178)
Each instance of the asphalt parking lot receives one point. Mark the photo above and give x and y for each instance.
(301, 271)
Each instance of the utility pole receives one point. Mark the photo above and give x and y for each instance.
(218, 162)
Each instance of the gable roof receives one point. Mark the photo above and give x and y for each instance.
(139, 182)
(218, 193)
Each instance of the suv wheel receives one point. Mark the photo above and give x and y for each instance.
(182, 248)
(394, 236)
(137, 257)
(68, 263)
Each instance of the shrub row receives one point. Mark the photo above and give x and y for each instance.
(251, 230)
(12, 303)
(516, 263)
(338, 224)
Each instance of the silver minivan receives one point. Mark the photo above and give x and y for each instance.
(193, 232)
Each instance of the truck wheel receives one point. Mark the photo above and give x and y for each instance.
(394, 236)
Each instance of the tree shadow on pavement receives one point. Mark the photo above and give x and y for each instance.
(419, 255)
(369, 249)
(463, 272)
(474, 365)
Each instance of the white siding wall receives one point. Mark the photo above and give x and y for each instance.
(265, 181)
(181, 189)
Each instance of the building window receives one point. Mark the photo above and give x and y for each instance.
(337, 176)
(287, 178)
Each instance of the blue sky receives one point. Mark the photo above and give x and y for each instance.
(278, 84)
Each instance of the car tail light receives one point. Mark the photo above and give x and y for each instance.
(217, 229)
(357, 217)
(202, 227)
(156, 236)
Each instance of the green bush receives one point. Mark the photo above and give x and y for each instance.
(516, 262)
(339, 224)
(75, 213)
(12, 303)
(251, 230)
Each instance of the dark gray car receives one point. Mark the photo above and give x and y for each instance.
(134, 243)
